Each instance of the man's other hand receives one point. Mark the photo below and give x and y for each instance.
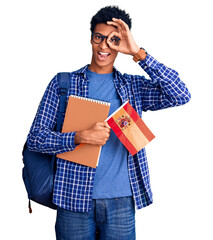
(98, 134)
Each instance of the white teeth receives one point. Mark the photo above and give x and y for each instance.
(103, 53)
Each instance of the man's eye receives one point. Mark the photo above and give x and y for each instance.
(97, 37)
(114, 40)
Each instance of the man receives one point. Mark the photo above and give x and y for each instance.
(100, 203)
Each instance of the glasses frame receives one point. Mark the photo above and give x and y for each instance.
(103, 37)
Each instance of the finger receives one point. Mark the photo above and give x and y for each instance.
(100, 125)
(122, 23)
(107, 125)
(111, 44)
(112, 34)
(103, 124)
(115, 24)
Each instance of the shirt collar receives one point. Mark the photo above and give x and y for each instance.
(82, 71)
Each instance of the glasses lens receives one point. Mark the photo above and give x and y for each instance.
(114, 40)
(97, 38)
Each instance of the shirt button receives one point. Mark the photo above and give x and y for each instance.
(90, 178)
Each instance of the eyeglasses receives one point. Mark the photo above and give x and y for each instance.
(99, 38)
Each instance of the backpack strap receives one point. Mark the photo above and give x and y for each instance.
(64, 83)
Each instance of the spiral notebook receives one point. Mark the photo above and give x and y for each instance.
(82, 113)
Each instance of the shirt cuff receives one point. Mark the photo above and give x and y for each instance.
(68, 141)
(149, 61)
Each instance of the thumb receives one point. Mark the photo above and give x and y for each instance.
(107, 125)
(104, 124)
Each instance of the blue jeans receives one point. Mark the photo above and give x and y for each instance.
(109, 219)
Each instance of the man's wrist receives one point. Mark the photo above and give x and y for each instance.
(135, 51)
(78, 137)
(140, 55)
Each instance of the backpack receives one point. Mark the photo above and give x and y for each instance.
(39, 168)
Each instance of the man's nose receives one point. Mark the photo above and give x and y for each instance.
(104, 44)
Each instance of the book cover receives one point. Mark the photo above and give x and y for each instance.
(82, 113)
(130, 128)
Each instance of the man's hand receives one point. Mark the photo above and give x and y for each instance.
(98, 134)
(127, 44)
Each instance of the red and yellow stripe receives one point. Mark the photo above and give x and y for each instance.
(134, 137)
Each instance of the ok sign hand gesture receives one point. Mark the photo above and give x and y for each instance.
(127, 44)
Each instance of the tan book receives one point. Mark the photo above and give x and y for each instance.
(82, 113)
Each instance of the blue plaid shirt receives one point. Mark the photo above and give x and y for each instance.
(73, 183)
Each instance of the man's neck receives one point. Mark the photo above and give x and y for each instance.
(101, 70)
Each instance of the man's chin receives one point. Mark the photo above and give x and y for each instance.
(104, 63)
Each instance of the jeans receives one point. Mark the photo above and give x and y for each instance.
(109, 219)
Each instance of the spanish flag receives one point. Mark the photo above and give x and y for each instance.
(130, 128)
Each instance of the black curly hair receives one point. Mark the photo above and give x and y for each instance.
(107, 13)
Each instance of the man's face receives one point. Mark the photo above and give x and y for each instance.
(103, 56)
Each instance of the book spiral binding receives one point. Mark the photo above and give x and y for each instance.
(91, 100)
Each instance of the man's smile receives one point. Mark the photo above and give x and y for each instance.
(103, 56)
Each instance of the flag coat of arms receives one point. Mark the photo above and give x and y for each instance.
(130, 128)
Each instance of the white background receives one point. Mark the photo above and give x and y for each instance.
(41, 38)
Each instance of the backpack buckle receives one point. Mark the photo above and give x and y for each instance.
(63, 91)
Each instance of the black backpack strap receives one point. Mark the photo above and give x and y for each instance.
(64, 83)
